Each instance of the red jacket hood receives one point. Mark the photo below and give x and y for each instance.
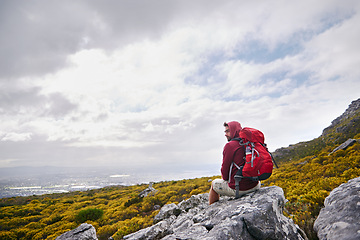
(235, 128)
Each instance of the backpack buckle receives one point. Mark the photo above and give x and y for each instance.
(238, 176)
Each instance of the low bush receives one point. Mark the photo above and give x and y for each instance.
(91, 214)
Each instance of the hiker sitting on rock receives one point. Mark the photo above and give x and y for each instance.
(233, 153)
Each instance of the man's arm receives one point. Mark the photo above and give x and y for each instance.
(228, 153)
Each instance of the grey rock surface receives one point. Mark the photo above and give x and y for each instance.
(340, 218)
(345, 145)
(257, 215)
(350, 112)
(166, 211)
(84, 232)
(148, 191)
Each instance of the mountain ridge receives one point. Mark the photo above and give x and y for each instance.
(346, 126)
(350, 112)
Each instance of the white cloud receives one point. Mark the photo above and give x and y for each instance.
(335, 52)
(159, 91)
(16, 137)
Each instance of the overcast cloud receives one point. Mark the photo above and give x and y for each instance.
(131, 84)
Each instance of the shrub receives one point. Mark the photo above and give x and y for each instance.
(133, 201)
(7, 235)
(91, 214)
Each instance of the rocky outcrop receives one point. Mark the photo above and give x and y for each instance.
(84, 232)
(344, 127)
(257, 215)
(148, 191)
(344, 145)
(350, 112)
(340, 217)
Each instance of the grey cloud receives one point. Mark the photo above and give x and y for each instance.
(60, 105)
(132, 20)
(101, 117)
(38, 151)
(12, 99)
(38, 36)
(30, 100)
(30, 40)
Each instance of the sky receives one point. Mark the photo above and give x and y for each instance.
(148, 84)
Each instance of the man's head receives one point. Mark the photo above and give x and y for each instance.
(232, 130)
(227, 131)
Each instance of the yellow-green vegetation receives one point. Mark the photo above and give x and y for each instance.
(114, 211)
(334, 136)
(117, 211)
(308, 181)
(307, 174)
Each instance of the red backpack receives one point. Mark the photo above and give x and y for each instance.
(259, 161)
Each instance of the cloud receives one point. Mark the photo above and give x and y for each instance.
(149, 83)
(39, 36)
(328, 56)
(34, 40)
(16, 137)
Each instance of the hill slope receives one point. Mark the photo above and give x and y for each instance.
(307, 173)
(342, 128)
(309, 170)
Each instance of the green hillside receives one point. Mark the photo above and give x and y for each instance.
(309, 180)
(113, 211)
(307, 172)
(344, 127)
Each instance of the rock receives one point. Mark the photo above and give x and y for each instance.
(340, 217)
(348, 125)
(166, 212)
(350, 112)
(257, 215)
(345, 145)
(147, 191)
(84, 232)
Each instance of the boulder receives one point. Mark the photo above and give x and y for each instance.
(167, 211)
(84, 232)
(345, 145)
(339, 219)
(148, 191)
(257, 215)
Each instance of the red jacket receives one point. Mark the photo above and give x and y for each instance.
(234, 152)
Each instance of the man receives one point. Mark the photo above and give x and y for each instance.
(233, 154)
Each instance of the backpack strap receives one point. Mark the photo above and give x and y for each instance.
(233, 163)
(273, 160)
(231, 166)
